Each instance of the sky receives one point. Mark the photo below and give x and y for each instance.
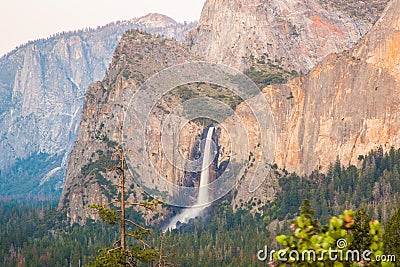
(25, 20)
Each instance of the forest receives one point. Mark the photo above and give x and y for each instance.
(35, 233)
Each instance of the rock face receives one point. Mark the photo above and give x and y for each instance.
(348, 105)
(137, 57)
(42, 85)
(291, 34)
(345, 107)
(366, 10)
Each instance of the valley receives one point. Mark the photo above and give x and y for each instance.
(264, 124)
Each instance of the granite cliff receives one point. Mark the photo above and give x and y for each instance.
(294, 35)
(344, 107)
(137, 57)
(42, 86)
(347, 105)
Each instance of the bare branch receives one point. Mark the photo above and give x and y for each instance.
(108, 251)
(146, 205)
(113, 201)
(119, 240)
(137, 225)
(140, 240)
(114, 168)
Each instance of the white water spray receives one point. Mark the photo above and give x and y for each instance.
(202, 198)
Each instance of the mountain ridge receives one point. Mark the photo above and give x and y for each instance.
(299, 122)
(146, 19)
(292, 34)
(345, 107)
(42, 85)
(136, 58)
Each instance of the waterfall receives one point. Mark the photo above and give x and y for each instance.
(205, 171)
(202, 198)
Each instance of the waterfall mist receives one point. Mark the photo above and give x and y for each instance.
(203, 197)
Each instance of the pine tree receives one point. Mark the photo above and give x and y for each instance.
(392, 235)
(360, 231)
(121, 255)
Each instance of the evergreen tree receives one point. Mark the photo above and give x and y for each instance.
(360, 231)
(121, 255)
(392, 235)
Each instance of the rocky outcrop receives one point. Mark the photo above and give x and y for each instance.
(348, 105)
(345, 107)
(366, 10)
(42, 86)
(294, 35)
(137, 57)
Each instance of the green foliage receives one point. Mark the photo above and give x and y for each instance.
(369, 13)
(139, 254)
(227, 239)
(189, 91)
(110, 258)
(392, 235)
(118, 257)
(34, 233)
(122, 258)
(106, 214)
(102, 161)
(123, 255)
(360, 231)
(38, 235)
(24, 176)
(264, 73)
(375, 187)
(307, 236)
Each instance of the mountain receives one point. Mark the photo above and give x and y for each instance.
(331, 112)
(136, 58)
(345, 107)
(348, 105)
(42, 86)
(294, 35)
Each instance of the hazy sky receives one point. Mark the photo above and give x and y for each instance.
(24, 20)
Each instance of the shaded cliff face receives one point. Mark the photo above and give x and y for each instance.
(345, 107)
(137, 57)
(42, 85)
(291, 34)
